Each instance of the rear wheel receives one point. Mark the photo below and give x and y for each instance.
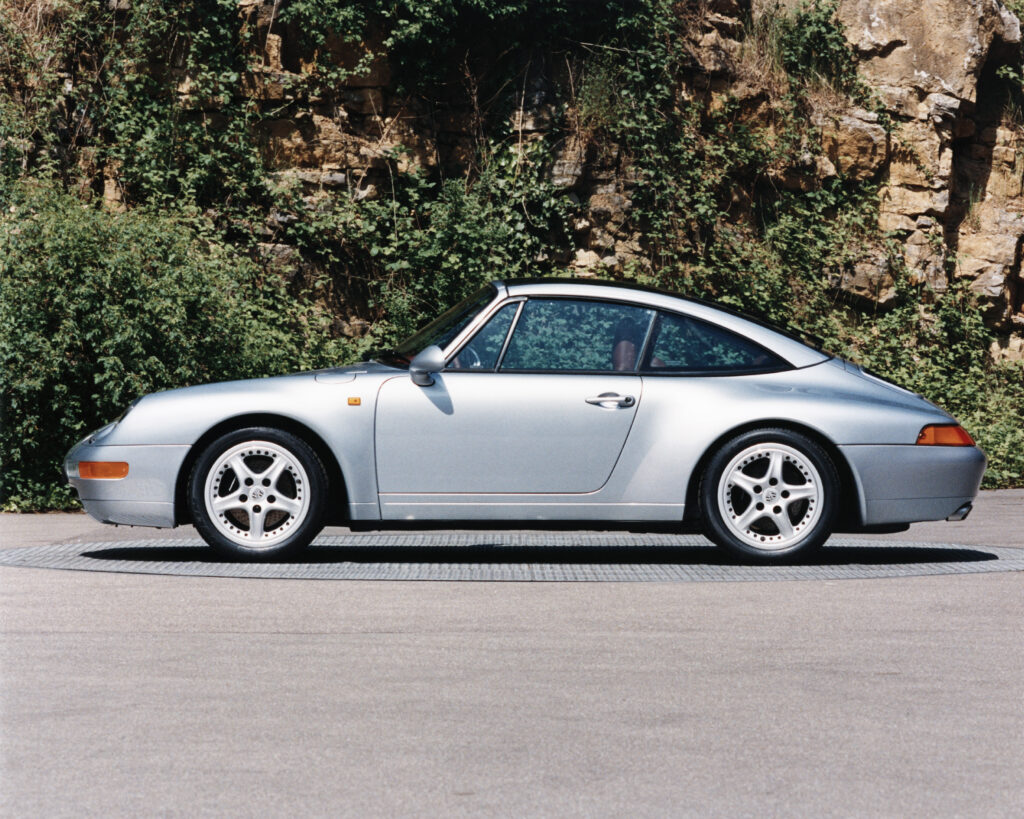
(770, 494)
(258, 493)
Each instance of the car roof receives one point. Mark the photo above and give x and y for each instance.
(779, 340)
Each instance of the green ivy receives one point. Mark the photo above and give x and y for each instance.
(426, 244)
(100, 308)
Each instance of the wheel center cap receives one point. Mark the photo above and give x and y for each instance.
(770, 495)
(256, 494)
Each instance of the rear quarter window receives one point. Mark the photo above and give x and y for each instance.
(681, 344)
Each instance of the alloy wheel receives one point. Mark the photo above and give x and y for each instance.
(256, 493)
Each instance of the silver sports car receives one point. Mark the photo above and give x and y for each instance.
(536, 403)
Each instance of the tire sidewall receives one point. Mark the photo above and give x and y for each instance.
(715, 527)
(303, 533)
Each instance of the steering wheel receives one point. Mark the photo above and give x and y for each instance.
(467, 359)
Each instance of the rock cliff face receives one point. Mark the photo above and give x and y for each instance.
(953, 170)
(949, 162)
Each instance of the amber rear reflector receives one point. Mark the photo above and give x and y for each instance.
(102, 470)
(944, 435)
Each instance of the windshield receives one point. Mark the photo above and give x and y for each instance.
(444, 328)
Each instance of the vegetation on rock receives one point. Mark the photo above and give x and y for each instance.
(153, 233)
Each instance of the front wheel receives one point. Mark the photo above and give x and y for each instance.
(770, 494)
(258, 493)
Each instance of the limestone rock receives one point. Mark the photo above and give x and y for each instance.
(909, 45)
(533, 121)
(871, 279)
(601, 240)
(990, 259)
(363, 100)
(717, 54)
(899, 208)
(566, 173)
(353, 327)
(1008, 348)
(922, 156)
(729, 8)
(855, 148)
(272, 52)
(585, 260)
(608, 208)
(950, 167)
(923, 253)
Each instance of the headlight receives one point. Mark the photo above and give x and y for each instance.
(103, 432)
(127, 409)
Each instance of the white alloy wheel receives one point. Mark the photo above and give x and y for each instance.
(770, 496)
(257, 493)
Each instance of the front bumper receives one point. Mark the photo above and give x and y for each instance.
(906, 484)
(144, 498)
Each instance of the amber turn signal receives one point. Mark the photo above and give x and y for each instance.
(944, 435)
(102, 470)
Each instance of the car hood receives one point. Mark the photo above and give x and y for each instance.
(329, 375)
(179, 416)
(340, 375)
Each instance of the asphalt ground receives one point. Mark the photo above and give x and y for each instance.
(128, 694)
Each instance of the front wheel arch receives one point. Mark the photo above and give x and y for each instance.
(337, 514)
(851, 513)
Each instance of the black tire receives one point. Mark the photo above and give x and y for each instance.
(746, 511)
(274, 507)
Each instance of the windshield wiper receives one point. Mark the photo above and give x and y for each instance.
(388, 355)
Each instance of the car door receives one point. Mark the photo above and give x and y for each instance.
(541, 400)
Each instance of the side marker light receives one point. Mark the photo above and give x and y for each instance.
(354, 402)
(944, 435)
(102, 470)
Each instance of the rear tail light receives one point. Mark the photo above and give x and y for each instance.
(944, 435)
(102, 470)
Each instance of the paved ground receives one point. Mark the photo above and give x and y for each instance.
(123, 694)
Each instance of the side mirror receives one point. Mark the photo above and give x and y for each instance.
(430, 360)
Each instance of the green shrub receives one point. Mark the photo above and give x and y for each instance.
(811, 39)
(424, 245)
(98, 309)
(943, 355)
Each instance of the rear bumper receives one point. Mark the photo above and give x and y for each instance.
(905, 484)
(144, 498)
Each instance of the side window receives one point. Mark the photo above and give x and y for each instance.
(482, 351)
(683, 344)
(569, 334)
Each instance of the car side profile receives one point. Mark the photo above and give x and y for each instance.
(537, 403)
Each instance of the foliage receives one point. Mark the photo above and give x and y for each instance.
(1013, 77)
(107, 90)
(440, 49)
(701, 170)
(944, 357)
(562, 334)
(157, 104)
(99, 309)
(430, 243)
(1016, 7)
(813, 40)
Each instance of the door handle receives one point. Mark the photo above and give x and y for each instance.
(607, 398)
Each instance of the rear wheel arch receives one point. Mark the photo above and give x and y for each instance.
(851, 512)
(337, 514)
